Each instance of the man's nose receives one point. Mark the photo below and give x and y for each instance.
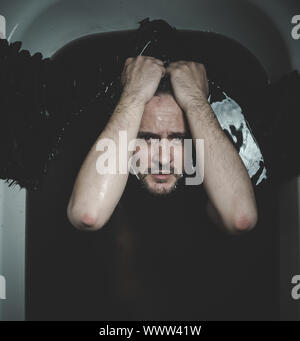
(163, 154)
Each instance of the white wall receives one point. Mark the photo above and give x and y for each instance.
(12, 250)
(12, 244)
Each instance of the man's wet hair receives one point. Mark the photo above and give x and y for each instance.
(165, 86)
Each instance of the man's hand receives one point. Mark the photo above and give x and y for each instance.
(189, 82)
(141, 76)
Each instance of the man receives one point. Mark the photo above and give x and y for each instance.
(141, 114)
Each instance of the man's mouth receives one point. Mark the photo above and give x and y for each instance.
(161, 176)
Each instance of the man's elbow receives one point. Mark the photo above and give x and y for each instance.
(244, 223)
(84, 221)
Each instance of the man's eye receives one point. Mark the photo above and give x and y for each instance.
(177, 139)
(150, 139)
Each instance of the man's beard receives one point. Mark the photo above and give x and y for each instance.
(179, 180)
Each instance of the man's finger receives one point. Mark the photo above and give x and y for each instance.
(170, 68)
(173, 65)
(160, 62)
(154, 59)
(127, 61)
(164, 71)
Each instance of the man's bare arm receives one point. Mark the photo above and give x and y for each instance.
(226, 180)
(95, 196)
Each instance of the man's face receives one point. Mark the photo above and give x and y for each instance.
(162, 127)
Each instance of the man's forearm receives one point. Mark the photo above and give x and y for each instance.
(226, 179)
(95, 195)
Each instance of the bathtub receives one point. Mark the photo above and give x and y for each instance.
(263, 26)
